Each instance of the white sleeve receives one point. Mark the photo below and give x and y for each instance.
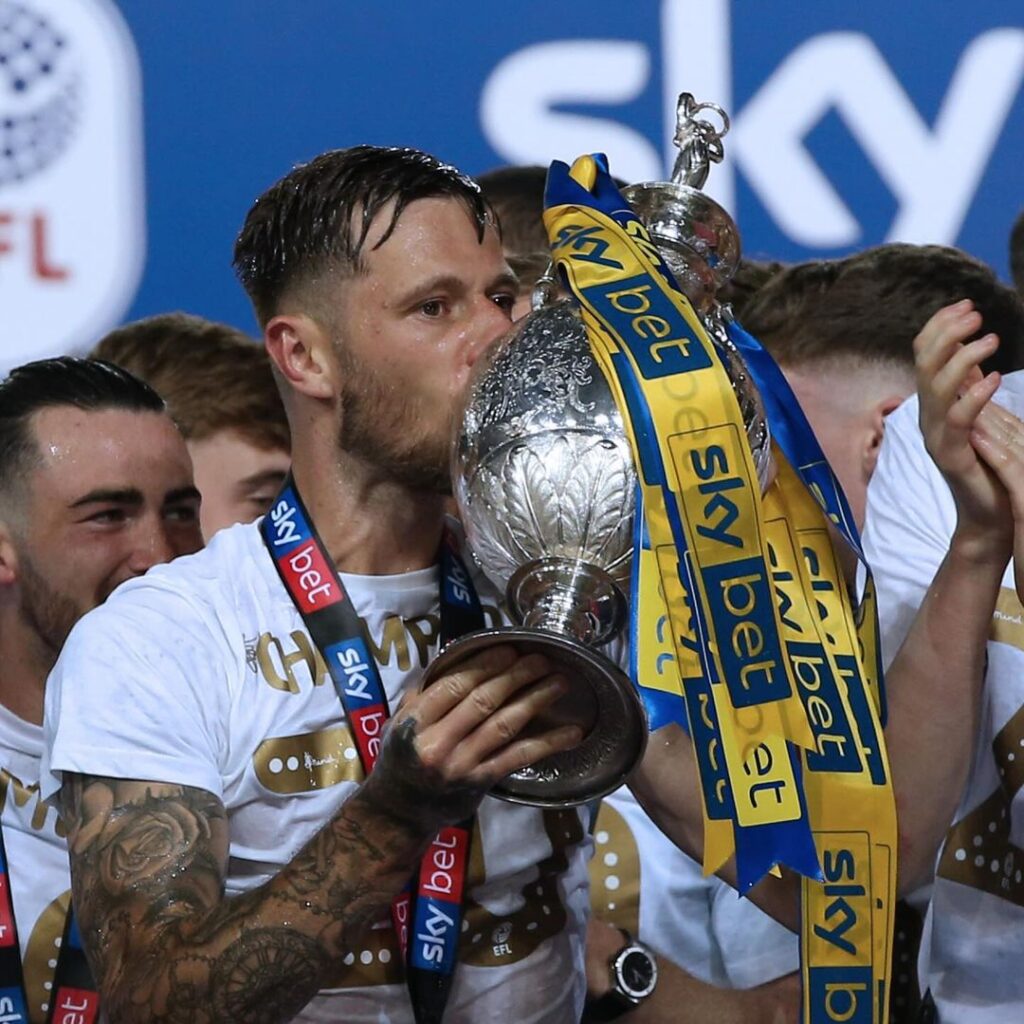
(141, 691)
(754, 947)
(909, 523)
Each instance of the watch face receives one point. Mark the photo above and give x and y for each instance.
(637, 972)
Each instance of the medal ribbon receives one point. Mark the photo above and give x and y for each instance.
(432, 903)
(661, 373)
(796, 439)
(701, 499)
(73, 989)
(847, 921)
(74, 996)
(12, 980)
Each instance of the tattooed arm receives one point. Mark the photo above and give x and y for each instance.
(148, 860)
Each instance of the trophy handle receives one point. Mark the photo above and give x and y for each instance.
(601, 699)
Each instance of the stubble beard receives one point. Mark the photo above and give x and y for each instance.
(49, 614)
(384, 428)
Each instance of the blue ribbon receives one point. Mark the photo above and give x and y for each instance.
(758, 848)
(796, 439)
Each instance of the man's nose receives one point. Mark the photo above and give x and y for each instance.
(152, 546)
(490, 324)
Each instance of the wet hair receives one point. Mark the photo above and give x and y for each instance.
(212, 376)
(870, 306)
(88, 384)
(316, 218)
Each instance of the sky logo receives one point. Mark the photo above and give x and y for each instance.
(534, 105)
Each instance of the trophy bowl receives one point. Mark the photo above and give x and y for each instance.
(543, 475)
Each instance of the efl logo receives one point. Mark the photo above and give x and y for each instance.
(72, 230)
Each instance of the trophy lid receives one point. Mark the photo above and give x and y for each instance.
(696, 237)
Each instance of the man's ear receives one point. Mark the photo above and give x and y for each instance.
(876, 431)
(302, 353)
(9, 566)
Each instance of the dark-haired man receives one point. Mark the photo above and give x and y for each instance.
(95, 488)
(193, 716)
(220, 390)
(843, 331)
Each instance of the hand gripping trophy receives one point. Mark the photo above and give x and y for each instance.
(546, 487)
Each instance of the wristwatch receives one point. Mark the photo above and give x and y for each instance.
(633, 973)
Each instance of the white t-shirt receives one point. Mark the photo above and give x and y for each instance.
(202, 674)
(972, 950)
(37, 858)
(642, 882)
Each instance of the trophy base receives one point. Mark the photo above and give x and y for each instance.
(601, 699)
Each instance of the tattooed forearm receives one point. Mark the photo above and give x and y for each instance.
(148, 867)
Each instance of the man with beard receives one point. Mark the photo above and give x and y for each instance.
(95, 488)
(230, 862)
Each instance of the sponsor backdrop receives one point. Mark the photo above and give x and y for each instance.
(134, 135)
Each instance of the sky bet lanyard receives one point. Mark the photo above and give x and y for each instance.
(73, 989)
(433, 899)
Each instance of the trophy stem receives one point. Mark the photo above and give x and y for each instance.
(568, 597)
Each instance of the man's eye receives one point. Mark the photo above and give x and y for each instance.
(182, 513)
(505, 302)
(262, 501)
(108, 515)
(433, 308)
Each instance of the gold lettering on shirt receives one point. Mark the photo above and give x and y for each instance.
(277, 665)
(424, 632)
(1008, 620)
(294, 664)
(979, 851)
(394, 645)
(11, 785)
(312, 760)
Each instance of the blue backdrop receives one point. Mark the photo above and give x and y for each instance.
(848, 109)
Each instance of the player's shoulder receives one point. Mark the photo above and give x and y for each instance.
(193, 594)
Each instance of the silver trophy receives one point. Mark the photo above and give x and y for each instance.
(544, 479)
